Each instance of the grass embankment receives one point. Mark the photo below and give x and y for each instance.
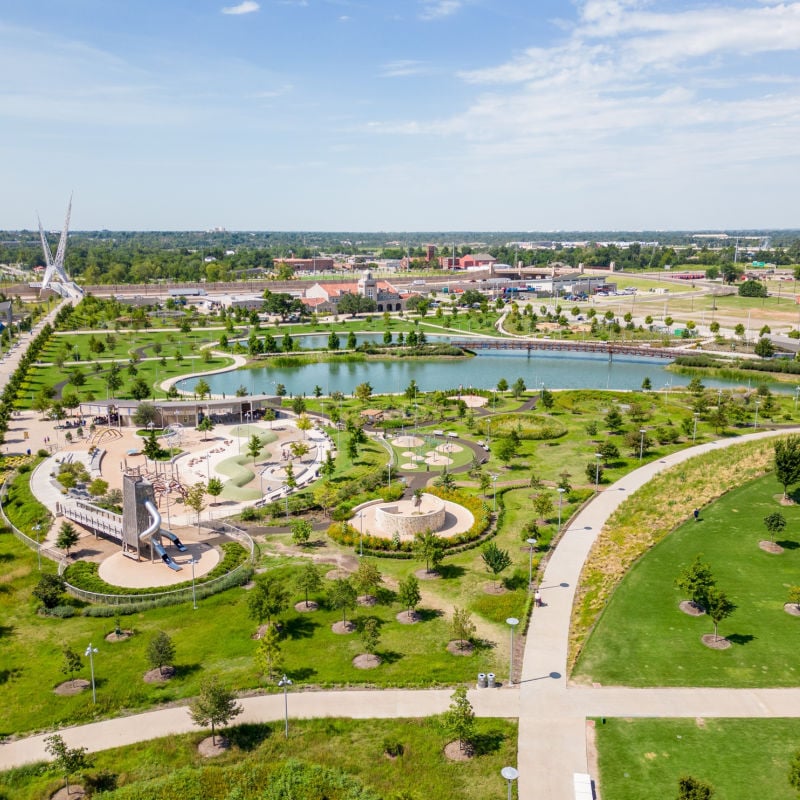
(642, 759)
(240, 469)
(22, 509)
(652, 642)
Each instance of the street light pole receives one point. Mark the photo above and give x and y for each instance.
(796, 395)
(642, 431)
(90, 651)
(285, 683)
(755, 424)
(532, 543)
(561, 491)
(510, 774)
(194, 595)
(361, 537)
(494, 494)
(511, 622)
(694, 432)
(598, 456)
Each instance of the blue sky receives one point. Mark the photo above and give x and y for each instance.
(400, 114)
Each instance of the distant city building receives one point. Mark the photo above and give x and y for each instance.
(307, 264)
(325, 297)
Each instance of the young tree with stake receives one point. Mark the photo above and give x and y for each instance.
(215, 705)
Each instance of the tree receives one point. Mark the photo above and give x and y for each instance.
(151, 448)
(506, 449)
(428, 548)
(637, 443)
(195, 499)
(690, 788)
(301, 531)
(303, 422)
(97, 487)
(502, 385)
(269, 659)
(215, 705)
(333, 341)
(787, 461)
(696, 386)
(202, 389)
(145, 414)
(342, 596)
(411, 390)
(363, 391)
(459, 719)
(72, 662)
(205, 426)
(794, 598)
(351, 341)
(328, 466)
(67, 759)
(752, 288)
(268, 598)
(495, 559)
(697, 581)
(160, 652)
(547, 399)
(140, 389)
(291, 481)
(367, 578)
(309, 579)
(299, 407)
(613, 420)
(774, 523)
(485, 483)
(408, 593)
(543, 505)
(718, 607)
(67, 537)
(254, 447)
(49, 590)
(646, 385)
(462, 626)
(594, 472)
(370, 635)
(214, 488)
(518, 387)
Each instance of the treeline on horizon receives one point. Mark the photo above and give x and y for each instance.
(104, 257)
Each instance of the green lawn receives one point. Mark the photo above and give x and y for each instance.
(643, 639)
(642, 759)
(355, 747)
(217, 637)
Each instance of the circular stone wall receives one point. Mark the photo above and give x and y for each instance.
(407, 518)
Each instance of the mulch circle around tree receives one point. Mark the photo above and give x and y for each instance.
(69, 688)
(336, 574)
(715, 642)
(784, 501)
(407, 618)
(792, 608)
(770, 547)
(494, 588)
(455, 648)
(343, 627)
(248, 586)
(159, 675)
(367, 600)
(691, 608)
(209, 749)
(424, 575)
(118, 637)
(303, 608)
(366, 661)
(454, 752)
(75, 791)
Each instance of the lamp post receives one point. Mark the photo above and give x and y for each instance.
(561, 491)
(755, 422)
(285, 683)
(90, 651)
(511, 622)
(532, 543)
(361, 536)
(510, 774)
(694, 431)
(598, 456)
(37, 527)
(194, 595)
(642, 431)
(494, 493)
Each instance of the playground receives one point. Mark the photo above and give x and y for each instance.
(427, 451)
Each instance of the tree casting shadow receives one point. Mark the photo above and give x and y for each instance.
(740, 638)
(249, 736)
(300, 627)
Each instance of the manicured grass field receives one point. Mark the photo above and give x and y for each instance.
(356, 747)
(217, 637)
(643, 639)
(642, 759)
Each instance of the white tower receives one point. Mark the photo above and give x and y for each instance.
(55, 277)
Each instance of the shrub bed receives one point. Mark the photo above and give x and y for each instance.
(527, 426)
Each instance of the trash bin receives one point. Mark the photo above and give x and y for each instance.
(492, 681)
(482, 683)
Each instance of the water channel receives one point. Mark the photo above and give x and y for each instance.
(553, 370)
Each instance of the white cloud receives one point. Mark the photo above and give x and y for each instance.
(438, 9)
(246, 7)
(402, 68)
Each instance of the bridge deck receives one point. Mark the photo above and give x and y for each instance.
(606, 348)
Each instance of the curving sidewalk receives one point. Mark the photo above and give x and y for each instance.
(552, 714)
